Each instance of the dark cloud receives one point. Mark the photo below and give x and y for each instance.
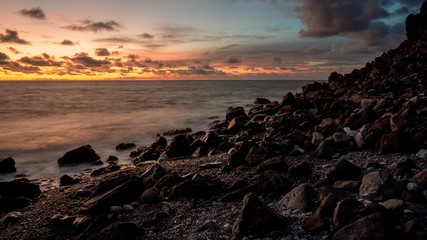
(16, 67)
(67, 42)
(34, 13)
(198, 70)
(276, 60)
(40, 61)
(84, 59)
(146, 36)
(12, 37)
(232, 60)
(89, 25)
(133, 56)
(102, 52)
(3, 58)
(14, 50)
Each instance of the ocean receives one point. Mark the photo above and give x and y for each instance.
(41, 120)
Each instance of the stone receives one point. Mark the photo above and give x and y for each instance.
(301, 169)
(234, 112)
(271, 182)
(390, 143)
(422, 154)
(372, 227)
(153, 174)
(18, 188)
(276, 163)
(314, 223)
(414, 187)
(197, 187)
(300, 198)
(340, 137)
(422, 178)
(10, 217)
(405, 162)
(66, 180)
(377, 186)
(83, 154)
(328, 126)
(343, 170)
(210, 165)
(178, 147)
(112, 159)
(63, 221)
(262, 101)
(352, 186)
(393, 204)
(125, 146)
(326, 149)
(150, 196)
(345, 212)
(328, 204)
(256, 219)
(360, 140)
(117, 230)
(317, 138)
(235, 126)
(7, 165)
(177, 131)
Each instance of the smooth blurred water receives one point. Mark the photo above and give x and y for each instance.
(40, 121)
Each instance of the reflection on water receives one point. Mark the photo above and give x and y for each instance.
(40, 121)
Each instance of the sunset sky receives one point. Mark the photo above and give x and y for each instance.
(195, 39)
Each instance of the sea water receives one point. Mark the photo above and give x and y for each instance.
(41, 120)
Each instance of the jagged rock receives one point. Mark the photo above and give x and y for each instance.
(389, 143)
(177, 131)
(377, 186)
(7, 165)
(343, 170)
(317, 138)
(314, 223)
(301, 169)
(262, 101)
(125, 146)
(83, 154)
(340, 137)
(422, 178)
(235, 126)
(372, 227)
(352, 186)
(328, 126)
(326, 149)
(415, 28)
(19, 188)
(422, 154)
(112, 159)
(271, 182)
(63, 221)
(276, 163)
(66, 180)
(256, 219)
(345, 212)
(179, 146)
(300, 198)
(393, 204)
(153, 174)
(234, 112)
(197, 187)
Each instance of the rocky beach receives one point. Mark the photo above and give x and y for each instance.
(341, 160)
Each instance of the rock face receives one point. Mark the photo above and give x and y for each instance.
(256, 219)
(7, 165)
(377, 186)
(83, 154)
(300, 198)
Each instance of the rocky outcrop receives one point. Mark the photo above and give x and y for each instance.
(7, 165)
(83, 154)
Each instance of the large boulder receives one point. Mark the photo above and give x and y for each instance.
(179, 147)
(83, 154)
(234, 112)
(300, 198)
(18, 188)
(415, 24)
(7, 165)
(256, 219)
(343, 170)
(377, 186)
(197, 187)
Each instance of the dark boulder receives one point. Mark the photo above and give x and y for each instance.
(116, 231)
(179, 147)
(177, 131)
(415, 27)
(234, 112)
(343, 170)
(7, 165)
(83, 154)
(66, 180)
(276, 163)
(197, 187)
(125, 146)
(19, 188)
(262, 101)
(300, 198)
(257, 219)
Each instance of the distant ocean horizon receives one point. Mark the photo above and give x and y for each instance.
(41, 120)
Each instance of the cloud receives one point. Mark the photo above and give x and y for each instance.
(3, 58)
(276, 60)
(88, 25)
(84, 59)
(36, 13)
(232, 60)
(198, 70)
(16, 67)
(146, 36)
(102, 52)
(40, 61)
(12, 37)
(132, 56)
(67, 42)
(13, 50)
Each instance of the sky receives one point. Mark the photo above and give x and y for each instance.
(195, 39)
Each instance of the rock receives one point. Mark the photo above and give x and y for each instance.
(377, 186)
(352, 186)
(237, 158)
(116, 230)
(179, 147)
(343, 170)
(345, 212)
(314, 223)
(10, 217)
(328, 126)
(127, 192)
(271, 182)
(360, 140)
(112, 159)
(422, 154)
(414, 27)
(256, 219)
(328, 204)
(7, 165)
(66, 180)
(255, 156)
(276, 163)
(63, 221)
(326, 149)
(210, 165)
(85, 191)
(197, 187)
(317, 138)
(177, 131)
(393, 204)
(150, 196)
(234, 112)
(83, 154)
(125, 146)
(301, 169)
(372, 227)
(414, 187)
(389, 143)
(18, 188)
(340, 137)
(153, 174)
(422, 178)
(405, 162)
(300, 198)
(262, 101)
(235, 126)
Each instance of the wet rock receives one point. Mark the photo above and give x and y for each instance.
(262, 101)
(352, 186)
(66, 180)
(301, 169)
(125, 146)
(377, 186)
(128, 190)
(177, 131)
(234, 112)
(112, 159)
(235, 126)
(373, 227)
(179, 146)
(10, 218)
(153, 174)
(150, 196)
(256, 219)
(300, 198)
(197, 187)
(7, 165)
(83, 154)
(19, 188)
(237, 158)
(343, 170)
